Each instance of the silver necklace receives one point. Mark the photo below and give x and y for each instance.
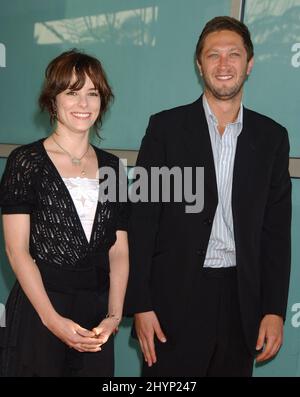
(75, 160)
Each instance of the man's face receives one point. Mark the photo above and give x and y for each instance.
(223, 64)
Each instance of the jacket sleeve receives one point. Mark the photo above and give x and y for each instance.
(17, 194)
(143, 224)
(276, 236)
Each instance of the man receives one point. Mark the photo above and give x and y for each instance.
(209, 289)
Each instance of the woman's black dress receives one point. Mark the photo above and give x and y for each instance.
(75, 272)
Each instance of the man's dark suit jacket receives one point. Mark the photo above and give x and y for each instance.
(168, 245)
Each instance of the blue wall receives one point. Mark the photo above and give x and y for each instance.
(147, 50)
(273, 89)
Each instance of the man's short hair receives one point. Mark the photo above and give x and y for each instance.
(226, 23)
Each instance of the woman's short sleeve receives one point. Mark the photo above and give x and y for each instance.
(16, 186)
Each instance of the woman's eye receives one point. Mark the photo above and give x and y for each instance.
(94, 93)
(71, 93)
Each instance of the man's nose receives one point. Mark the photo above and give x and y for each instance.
(223, 60)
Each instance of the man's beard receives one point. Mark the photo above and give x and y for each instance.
(225, 93)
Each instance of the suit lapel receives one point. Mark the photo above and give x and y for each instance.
(199, 147)
(200, 154)
(243, 164)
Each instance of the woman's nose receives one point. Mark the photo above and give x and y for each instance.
(83, 101)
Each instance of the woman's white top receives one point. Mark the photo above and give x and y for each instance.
(84, 192)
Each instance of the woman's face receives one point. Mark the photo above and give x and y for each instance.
(77, 111)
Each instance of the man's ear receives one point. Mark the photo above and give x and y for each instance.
(250, 66)
(199, 67)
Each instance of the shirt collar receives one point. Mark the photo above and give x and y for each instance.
(210, 116)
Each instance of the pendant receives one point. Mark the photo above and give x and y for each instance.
(76, 161)
(82, 172)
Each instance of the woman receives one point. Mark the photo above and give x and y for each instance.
(67, 248)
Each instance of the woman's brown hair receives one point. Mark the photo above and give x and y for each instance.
(58, 77)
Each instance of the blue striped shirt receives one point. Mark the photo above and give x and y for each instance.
(221, 246)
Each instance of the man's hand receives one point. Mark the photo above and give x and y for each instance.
(270, 336)
(147, 325)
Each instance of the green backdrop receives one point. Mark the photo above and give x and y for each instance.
(147, 50)
(273, 89)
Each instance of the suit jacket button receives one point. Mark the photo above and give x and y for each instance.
(207, 221)
(201, 252)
